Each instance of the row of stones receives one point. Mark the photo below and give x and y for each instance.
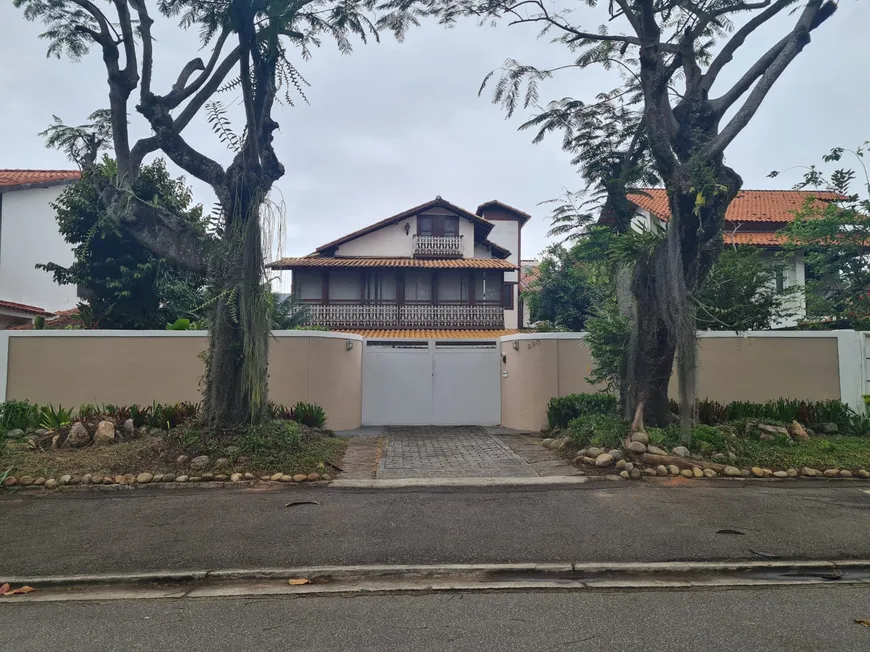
(148, 478)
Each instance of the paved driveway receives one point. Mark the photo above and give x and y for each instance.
(463, 452)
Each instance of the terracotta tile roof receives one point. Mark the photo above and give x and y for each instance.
(431, 334)
(524, 217)
(748, 206)
(528, 272)
(758, 238)
(23, 307)
(317, 262)
(59, 321)
(16, 179)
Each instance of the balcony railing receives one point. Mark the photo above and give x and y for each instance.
(392, 315)
(436, 246)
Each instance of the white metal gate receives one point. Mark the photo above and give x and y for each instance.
(431, 382)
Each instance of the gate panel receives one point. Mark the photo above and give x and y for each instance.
(397, 384)
(467, 384)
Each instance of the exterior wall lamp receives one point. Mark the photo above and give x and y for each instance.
(349, 345)
(407, 228)
(516, 345)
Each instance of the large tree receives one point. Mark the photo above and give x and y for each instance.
(249, 48)
(125, 285)
(670, 109)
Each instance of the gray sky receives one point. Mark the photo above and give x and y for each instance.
(395, 124)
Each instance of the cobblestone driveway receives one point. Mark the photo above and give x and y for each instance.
(435, 452)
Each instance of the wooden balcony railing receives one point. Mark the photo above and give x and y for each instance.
(438, 246)
(391, 315)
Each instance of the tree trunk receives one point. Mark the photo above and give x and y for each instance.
(236, 371)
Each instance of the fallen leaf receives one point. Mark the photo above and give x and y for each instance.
(23, 589)
(299, 581)
(4, 589)
(866, 623)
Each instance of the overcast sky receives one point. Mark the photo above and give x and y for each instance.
(395, 124)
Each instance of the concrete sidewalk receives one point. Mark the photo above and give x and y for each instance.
(152, 530)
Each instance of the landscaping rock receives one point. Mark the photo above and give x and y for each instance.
(830, 428)
(559, 444)
(194, 478)
(681, 451)
(661, 469)
(75, 480)
(16, 445)
(655, 450)
(641, 437)
(780, 474)
(78, 435)
(650, 471)
(637, 447)
(236, 477)
(313, 477)
(105, 434)
(119, 479)
(635, 474)
(773, 430)
(87, 478)
(697, 472)
(832, 473)
(589, 460)
(220, 477)
(767, 473)
(673, 469)
(300, 477)
(629, 466)
(687, 473)
(108, 479)
(276, 476)
(129, 429)
(55, 442)
(25, 480)
(757, 472)
(594, 452)
(200, 462)
(732, 457)
(745, 473)
(156, 432)
(582, 452)
(845, 473)
(207, 477)
(40, 481)
(10, 481)
(286, 478)
(169, 478)
(51, 483)
(732, 472)
(810, 432)
(266, 477)
(863, 473)
(765, 436)
(15, 433)
(64, 479)
(621, 464)
(182, 459)
(222, 463)
(144, 478)
(248, 476)
(604, 459)
(158, 477)
(792, 473)
(129, 478)
(709, 473)
(546, 442)
(798, 431)
(624, 474)
(718, 457)
(182, 478)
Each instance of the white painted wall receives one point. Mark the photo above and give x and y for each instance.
(29, 235)
(389, 242)
(794, 273)
(506, 233)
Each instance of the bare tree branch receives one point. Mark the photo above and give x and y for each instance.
(181, 90)
(723, 103)
(145, 23)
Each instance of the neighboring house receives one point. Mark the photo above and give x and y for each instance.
(29, 235)
(432, 268)
(753, 219)
(528, 275)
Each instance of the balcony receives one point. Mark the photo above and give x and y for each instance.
(438, 246)
(419, 315)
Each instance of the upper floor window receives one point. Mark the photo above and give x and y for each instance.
(442, 225)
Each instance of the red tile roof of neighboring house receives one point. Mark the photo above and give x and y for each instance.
(748, 206)
(23, 307)
(60, 320)
(18, 179)
(430, 334)
(757, 238)
(317, 262)
(528, 272)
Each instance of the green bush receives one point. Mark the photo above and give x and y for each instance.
(308, 414)
(19, 415)
(561, 410)
(605, 430)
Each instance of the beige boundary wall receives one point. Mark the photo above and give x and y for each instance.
(754, 367)
(126, 367)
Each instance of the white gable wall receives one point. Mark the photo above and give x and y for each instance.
(29, 235)
(390, 241)
(506, 233)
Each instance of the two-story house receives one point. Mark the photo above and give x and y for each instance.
(435, 267)
(29, 235)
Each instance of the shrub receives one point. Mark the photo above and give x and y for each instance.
(308, 414)
(19, 415)
(561, 410)
(604, 430)
(53, 419)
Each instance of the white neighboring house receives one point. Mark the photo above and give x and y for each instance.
(29, 235)
(753, 219)
(435, 267)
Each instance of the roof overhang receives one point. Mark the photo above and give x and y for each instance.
(324, 262)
